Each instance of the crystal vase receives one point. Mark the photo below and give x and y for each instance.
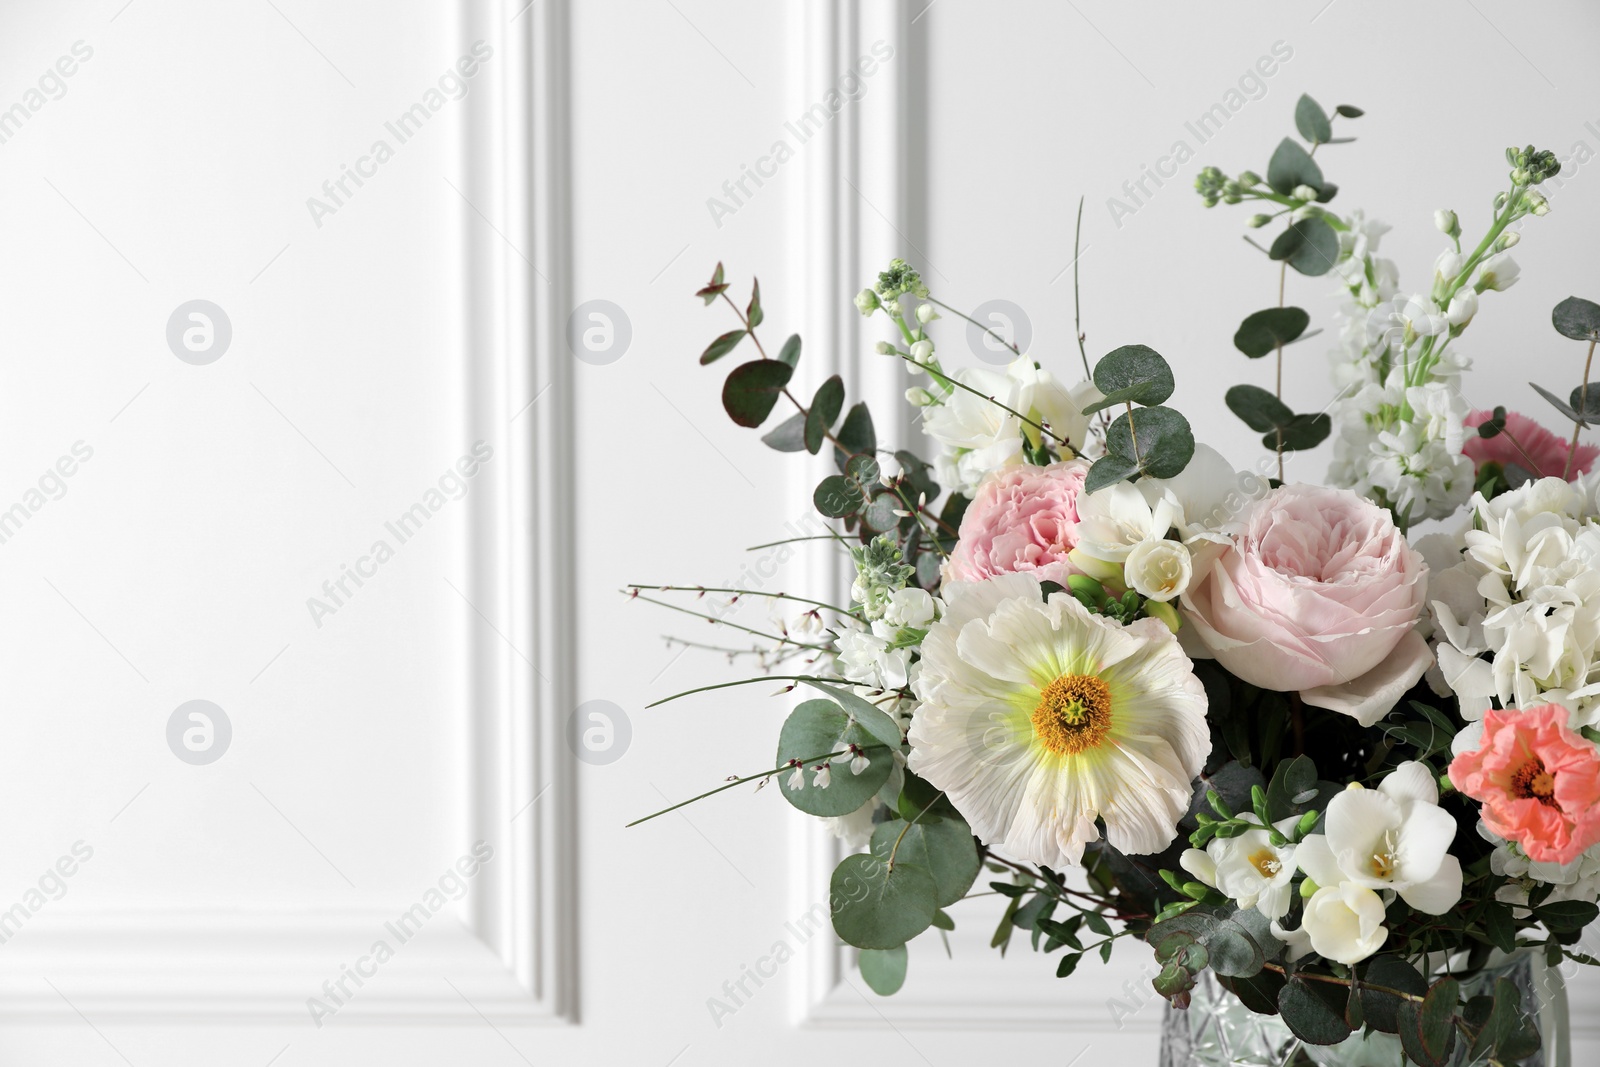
(1218, 1031)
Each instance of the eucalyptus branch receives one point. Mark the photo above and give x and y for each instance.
(905, 829)
(1583, 409)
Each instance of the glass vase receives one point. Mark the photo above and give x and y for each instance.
(1218, 1031)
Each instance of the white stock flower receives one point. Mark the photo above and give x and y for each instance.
(865, 656)
(1499, 272)
(922, 351)
(1448, 265)
(1159, 568)
(1463, 306)
(910, 607)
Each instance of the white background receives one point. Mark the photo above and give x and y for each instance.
(178, 563)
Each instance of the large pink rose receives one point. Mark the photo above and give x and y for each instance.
(1023, 519)
(1319, 595)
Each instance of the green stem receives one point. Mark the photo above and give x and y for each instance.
(975, 322)
(916, 819)
(1043, 430)
(724, 622)
(737, 592)
(729, 785)
(763, 678)
(1583, 409)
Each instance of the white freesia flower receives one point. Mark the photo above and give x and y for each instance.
(980, 436)
(1159, 569)
(1037, 718)
(1249, 869)
(1342, 923)
(1111, 521)
(1394, 837)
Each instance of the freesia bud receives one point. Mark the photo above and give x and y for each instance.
(1100, 570)
(1447, 222)
(1165, 612)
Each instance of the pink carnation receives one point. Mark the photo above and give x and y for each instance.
(1538, 780)
(1023, 519)
(1542, 454)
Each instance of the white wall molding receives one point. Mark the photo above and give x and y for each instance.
(510, 956)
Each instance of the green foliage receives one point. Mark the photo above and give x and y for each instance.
(1382, 978)
(722, 346)
(1309, 245)
(790, 353)
(1427, 1030)
(1259, 409)
(1156, 442)
(825, 406)
(1312, 121)
(821, 726)
(1291, 167)
(1265, 330)
(1132, 374)
(944, 847)
(883, 969)
(789, 435)
(752, 390)
(1314, 1011)
(1577, 318)
(1571, 410)
(876, 905)
(856, 434)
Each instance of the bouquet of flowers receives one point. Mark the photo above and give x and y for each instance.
(1337, 771)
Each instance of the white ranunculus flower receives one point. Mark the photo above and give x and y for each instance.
(1342, 923)
(1159, 569)
(1394, 837)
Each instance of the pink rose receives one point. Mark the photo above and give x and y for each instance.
(1538, 781)
(1319, 595)
(1022, 519)
(1525, 444)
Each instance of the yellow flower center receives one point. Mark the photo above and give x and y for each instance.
(1266, 863)
(1074, 714)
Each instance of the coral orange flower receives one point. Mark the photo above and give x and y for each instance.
(1538, 781)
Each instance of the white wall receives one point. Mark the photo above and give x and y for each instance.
(182, 554)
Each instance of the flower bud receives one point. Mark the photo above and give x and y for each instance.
(1507, 240)
(867, 302)
(1446, 221)
(1249, 179)
(1305, 211)
(1099, 569)
(1537, 204)
(919, 397)
(884, 348)
(1448, 265)
(1258, 221)
(1304, 192)
(1463, 306)
(926, 313)
(1165, 612)
(922, 351)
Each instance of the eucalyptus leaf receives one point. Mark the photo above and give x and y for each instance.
(752, 312)
(1157, 440)
(1265, 330)
(1135, 374)
(1259, 409)
(722, 346)
(837, 496)
(1312, 121)
(1300, 433)
(879, 515)
(1291, 167)
(824, 409)
(790, 352)
(876, 721)
(1380, 1006)
(753, 388)
(1349, 111)
(943, 847)
(1313, 1015)
(876, 906)
(856, 435)
(1577, 318)
(789, 435)
(817, 727)
(883, 969)
(1556, 402)
(1309, 245)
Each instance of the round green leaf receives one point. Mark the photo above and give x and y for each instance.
(1265, 330)
(1310, 246)
(880, 514)
(753, 388)
(821, 726)
(837, 496)
(788, 435)
(1132, 374)
(1577, 318)
(1300, 433)
(824, 409)
(1312, 121)
(883, 969)
(942, 847)
(1165, 444)
(1290, 167)
(1313, 1011)
(875, 906)
(1259, 409)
